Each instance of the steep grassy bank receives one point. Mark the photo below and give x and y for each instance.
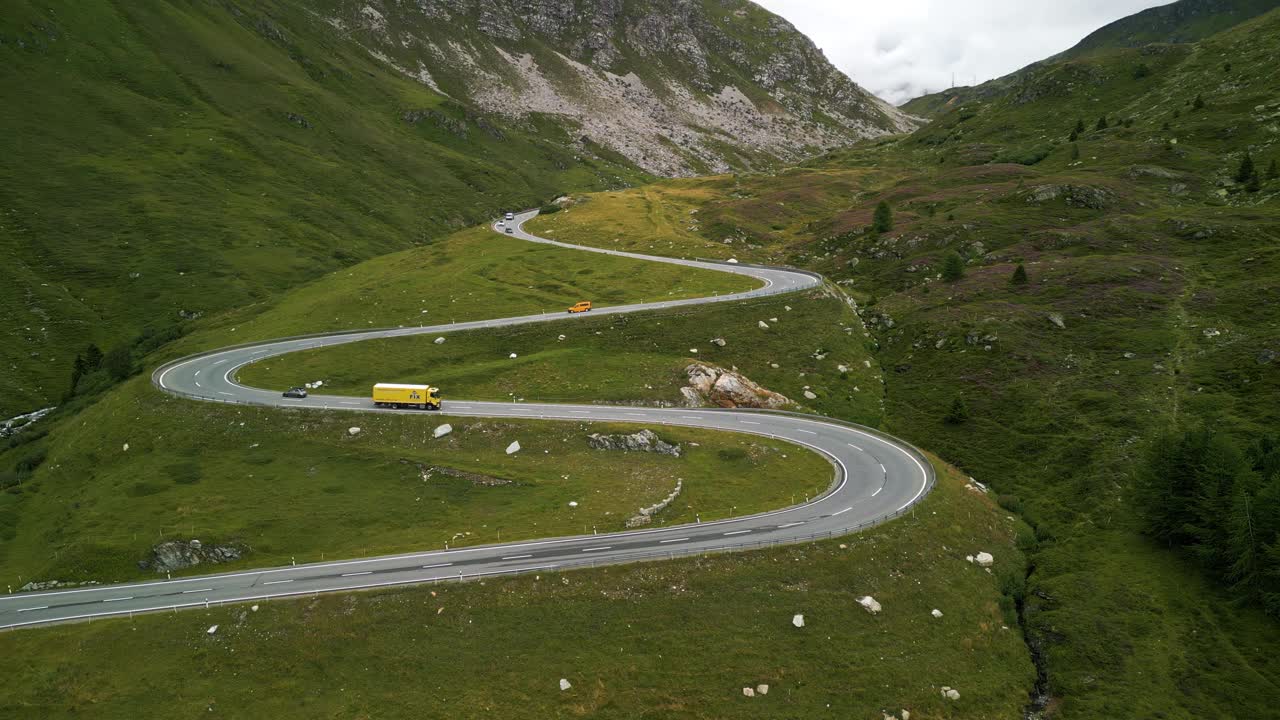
(167, 159)
(679, 638)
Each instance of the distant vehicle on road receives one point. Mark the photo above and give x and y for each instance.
(501, 223)
(508, 231)
(584, 306)
(295, 392)
(510, 216)
(422, 397)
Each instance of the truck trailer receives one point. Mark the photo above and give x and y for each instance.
(422, 397)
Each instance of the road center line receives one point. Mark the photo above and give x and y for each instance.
(428, 567)
(42, 607)
(516, 557)
(118, 599)
(877, 492)
(276, 582)
(596, 549)
(664, 542)
(737, 532)
(366, 572)
(188, 592)
(792, 524)
(841, 512)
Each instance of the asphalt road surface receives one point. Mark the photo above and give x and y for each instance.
(875, 477)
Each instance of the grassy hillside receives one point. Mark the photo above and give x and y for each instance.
(141, 466)
(169, 159)
(679, 639)
(1150, 303)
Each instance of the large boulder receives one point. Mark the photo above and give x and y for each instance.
(644, 441)
(711, 385)
(174, 555)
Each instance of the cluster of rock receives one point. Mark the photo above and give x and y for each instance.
(53, 585)
(15, 424)
(1079, 196)
(174, 555)
(761, 689)
(643, 441)
(716, 386)
(646, 513)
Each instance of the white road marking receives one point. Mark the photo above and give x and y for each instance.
(223, 392)
(806, 431)
(428, 567)
(42, 607)
(841, 512)
(855, 447)
(737, 532)
(188, 592)
(748, 422)
(198, 384)
(886, 472)
(516, 557)
(276, 582)
(595, 549)
(793, 524)
(118, 599)
(664, 542)
(877, 492)
(366, 572)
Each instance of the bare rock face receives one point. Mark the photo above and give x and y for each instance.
(644, 441)
(174, 555)
(711, 385)
(663, 83)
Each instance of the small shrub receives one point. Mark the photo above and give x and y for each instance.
(959, 412)
(732, 454)
(1019, 275)
(1198, 103)
(1102, 123)
(1246, 169)
(1140, 71)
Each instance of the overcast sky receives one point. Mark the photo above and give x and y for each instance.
(900, 49)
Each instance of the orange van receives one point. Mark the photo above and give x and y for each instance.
(584, 306)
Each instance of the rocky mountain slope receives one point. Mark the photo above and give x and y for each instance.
(677, 87)
(1184, 21)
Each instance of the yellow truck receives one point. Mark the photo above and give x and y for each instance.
(423, 397)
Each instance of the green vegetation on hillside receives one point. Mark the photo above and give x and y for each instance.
(621, 359)
(681, 637)
(164, 160)
(140, 467)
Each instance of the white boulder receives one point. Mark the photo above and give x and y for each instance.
(936, 613)
(353, 431)
(513, 448)
(565, 684)
(869, 603)
(762, 325)
(950, 693)
(798, 621)
(985, 559)
(125, 448)
(573, 503)
(212, 629)
(749, 692)
(808, 395)
(512, 356)
(439, 340)
(762, 689)
(442, 430)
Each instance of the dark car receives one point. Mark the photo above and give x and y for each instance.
(508, 231)
(295, 393)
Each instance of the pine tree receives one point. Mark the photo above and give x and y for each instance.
(92, 358)
(1246, 169)
(1019, 275)
(1272, 171)
(1079, 127)
(1198, 103)
(958, 413)
(883, 219)
(1141, 71)
(953, 268)
(1074, 136)
(77, 372)
(1075, 152)
(1253, 184)
(1102, 123)
(118, 363)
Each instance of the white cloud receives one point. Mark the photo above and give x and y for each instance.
(900, 49)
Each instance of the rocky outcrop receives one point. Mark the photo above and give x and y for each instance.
(643, 441)
(1079, 196)
(711, 385)
(669, 84)
(179, 554)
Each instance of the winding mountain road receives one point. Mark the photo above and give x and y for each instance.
(876, 477)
